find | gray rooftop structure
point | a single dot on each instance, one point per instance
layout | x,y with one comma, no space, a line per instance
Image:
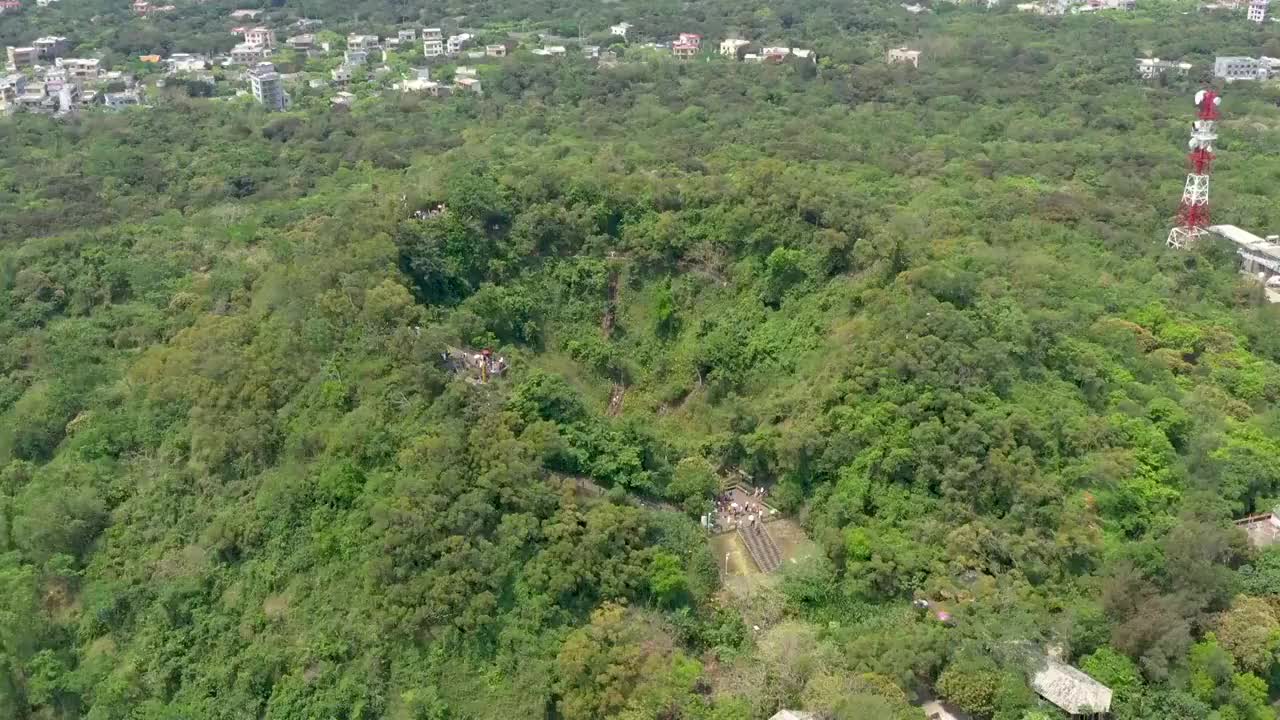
1070,689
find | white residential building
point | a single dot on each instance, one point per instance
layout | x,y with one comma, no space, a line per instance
263,36
80,68
355,57
1151,68
407,35
1232,68
432,42
457,43
185,62
267,87
733,47
341,74
363,43
1258,10
904,55
249,54
495,50
551,51
621,29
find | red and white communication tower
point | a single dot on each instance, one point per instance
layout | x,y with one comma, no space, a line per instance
1193,212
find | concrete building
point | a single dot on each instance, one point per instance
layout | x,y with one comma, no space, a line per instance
495,50
267,87
118,100
775,54
1232,68
1263,530
1074,692
11,86
687,46
263,36
904,55
362,43
186,62
1258,10
469,84
341,74
248,54
621,29
734,47
302,43
1151,68
432,42
50,47
1260,259
591,52
245,14
21,57
457,43
420,82
83,69
551,51
408,35
355,57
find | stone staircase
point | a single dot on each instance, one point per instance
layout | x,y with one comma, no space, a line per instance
761,546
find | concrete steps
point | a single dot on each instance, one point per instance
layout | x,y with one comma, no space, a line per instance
763,550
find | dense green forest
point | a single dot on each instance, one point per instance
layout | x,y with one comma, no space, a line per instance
931,309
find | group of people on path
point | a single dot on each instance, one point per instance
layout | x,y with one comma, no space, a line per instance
749,511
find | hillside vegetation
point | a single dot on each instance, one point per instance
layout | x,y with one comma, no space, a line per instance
930,309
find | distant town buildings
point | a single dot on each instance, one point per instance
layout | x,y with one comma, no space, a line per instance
245,14
904,55
495,50
1151,68
551,51
1258,10
1096,5
621,29
302,43
267,87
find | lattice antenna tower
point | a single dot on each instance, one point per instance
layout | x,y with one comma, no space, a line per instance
1193,211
